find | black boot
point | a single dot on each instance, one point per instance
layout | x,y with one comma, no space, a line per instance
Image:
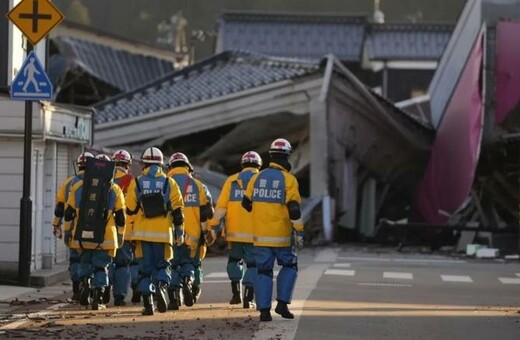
173,295
84,291
75,291
235,289
283,310
106,294
160,295
196,291
265,315
148,305
119,300
97,299
136,296
249,295
186,291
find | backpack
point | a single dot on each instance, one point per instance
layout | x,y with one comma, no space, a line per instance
153,203
93,207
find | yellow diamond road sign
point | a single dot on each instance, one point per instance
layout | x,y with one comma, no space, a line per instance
35,18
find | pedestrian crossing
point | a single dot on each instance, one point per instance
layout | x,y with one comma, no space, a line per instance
345,270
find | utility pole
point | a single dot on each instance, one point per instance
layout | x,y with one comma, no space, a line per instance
25,250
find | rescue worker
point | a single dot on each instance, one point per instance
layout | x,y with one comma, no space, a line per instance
61,199
120,275
273,198
186,255
156,202
203,247
239,230
95,257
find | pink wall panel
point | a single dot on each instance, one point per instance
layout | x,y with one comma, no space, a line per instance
508,68
451,168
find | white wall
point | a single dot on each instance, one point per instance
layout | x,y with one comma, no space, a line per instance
11,163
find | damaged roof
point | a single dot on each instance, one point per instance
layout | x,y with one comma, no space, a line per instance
311,36
409,41
118,68
218,76
302,35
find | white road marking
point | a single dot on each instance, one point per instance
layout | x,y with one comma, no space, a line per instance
216,275
224,275
326,255
216,281
509,281
456,278
350,258
399,276
384,284
384,259
286,329
340,272
341,265
517,274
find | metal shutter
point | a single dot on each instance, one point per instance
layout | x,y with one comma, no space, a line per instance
63,170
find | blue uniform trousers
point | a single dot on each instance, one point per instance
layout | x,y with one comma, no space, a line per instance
286,280
240,252
94,264
152,267
182,265
120,270
74,264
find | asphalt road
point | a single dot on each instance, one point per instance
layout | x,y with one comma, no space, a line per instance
342,293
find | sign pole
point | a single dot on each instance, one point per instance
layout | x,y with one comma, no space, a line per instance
25,249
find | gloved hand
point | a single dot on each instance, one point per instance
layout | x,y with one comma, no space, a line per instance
298,239
210,236
57,231
67,236
120,240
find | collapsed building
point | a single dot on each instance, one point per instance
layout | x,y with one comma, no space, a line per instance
448,156
353,147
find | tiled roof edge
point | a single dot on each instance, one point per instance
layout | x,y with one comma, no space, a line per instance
408,26
328,17
224,56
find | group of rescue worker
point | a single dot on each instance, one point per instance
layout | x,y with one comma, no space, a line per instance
158,225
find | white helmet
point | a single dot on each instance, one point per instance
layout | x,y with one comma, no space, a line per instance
82,158
251,157
103,157
281,145
153,155
122,156
179,157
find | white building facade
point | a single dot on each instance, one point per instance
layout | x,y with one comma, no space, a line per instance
59,134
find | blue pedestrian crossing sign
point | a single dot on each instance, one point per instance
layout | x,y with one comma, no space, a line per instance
31,83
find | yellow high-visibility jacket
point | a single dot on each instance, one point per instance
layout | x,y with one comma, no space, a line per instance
238,223
157,229
194,195
63,195
270,190
115,202
123,179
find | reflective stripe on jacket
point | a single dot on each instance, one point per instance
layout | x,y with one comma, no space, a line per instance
157,229
238,222
270,190
194,197
115,203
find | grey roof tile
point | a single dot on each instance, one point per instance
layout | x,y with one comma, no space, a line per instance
223,74
120,69
407,41
304,36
